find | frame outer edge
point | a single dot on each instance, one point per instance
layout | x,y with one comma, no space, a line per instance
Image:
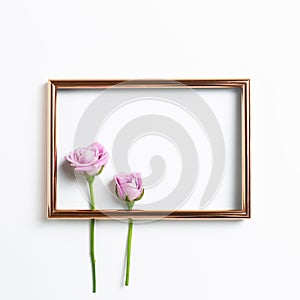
55,84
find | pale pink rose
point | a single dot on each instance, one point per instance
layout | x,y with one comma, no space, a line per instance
129,186
88,160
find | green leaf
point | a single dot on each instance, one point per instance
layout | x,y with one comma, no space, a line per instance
101,169
140,197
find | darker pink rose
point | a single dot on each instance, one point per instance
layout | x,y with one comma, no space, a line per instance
129,186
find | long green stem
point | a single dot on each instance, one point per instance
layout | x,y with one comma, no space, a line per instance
130,225
90,180
93,260
130,205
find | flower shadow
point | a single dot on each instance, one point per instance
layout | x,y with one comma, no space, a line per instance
67,170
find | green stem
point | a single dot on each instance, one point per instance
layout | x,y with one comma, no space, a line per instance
130,225
90,180
92,252
128,251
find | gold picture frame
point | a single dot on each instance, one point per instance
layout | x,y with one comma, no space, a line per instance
57,213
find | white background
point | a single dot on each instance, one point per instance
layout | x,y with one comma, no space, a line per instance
253,259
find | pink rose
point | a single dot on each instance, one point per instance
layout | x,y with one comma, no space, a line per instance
129,186
89,160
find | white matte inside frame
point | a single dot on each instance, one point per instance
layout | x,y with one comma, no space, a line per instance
155,154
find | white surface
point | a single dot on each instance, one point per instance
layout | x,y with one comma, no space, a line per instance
225,105
254,259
